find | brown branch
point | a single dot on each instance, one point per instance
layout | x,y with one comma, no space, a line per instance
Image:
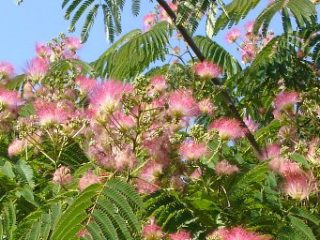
225,96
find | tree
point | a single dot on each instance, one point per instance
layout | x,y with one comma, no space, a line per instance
200,147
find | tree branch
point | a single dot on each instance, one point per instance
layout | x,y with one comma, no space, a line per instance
225,96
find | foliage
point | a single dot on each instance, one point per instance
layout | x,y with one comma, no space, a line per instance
140,143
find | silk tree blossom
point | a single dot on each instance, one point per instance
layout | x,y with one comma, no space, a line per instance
182,104
149,20
271,151
83,233
100,156
206,106
252,126
146,183
233,35
190,150
158,83
124,159
248,26
37,68
85,84
152,232
88,179
158,148
43,51
207,70
10,99
17,147
105,97
248,52
228,128
285,100
180,235
287,133
6,70
163,16
51,112
62,176
122,121
225,168
196,174
284,166
299,185
235,233
73,43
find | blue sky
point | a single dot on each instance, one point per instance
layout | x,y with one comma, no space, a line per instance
40,21
22,26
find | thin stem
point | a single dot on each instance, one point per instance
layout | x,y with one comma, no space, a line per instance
225,96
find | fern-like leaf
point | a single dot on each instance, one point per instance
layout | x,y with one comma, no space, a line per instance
214,52
303,11
234,12
133,53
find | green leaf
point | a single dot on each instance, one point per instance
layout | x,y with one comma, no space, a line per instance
216,53
301,229
234,12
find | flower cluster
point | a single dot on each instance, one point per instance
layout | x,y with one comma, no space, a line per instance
251,43
159,15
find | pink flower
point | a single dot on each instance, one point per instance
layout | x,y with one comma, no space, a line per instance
182,104
249,26
207,69
233,35
284,166
248,52
83,233
6,70
124,159
62,176
158,148
206,106
148,176
16,147
181,235
50,112
225,168
88,179
159,83
152,232
271,151
43,51
196,174
73,43
190,150
100,156
122,121
235,233
85,84
228,128
149,20
285,100
145,187
106,97
299,186
163,14
252,126
151,171
37,68
10,99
